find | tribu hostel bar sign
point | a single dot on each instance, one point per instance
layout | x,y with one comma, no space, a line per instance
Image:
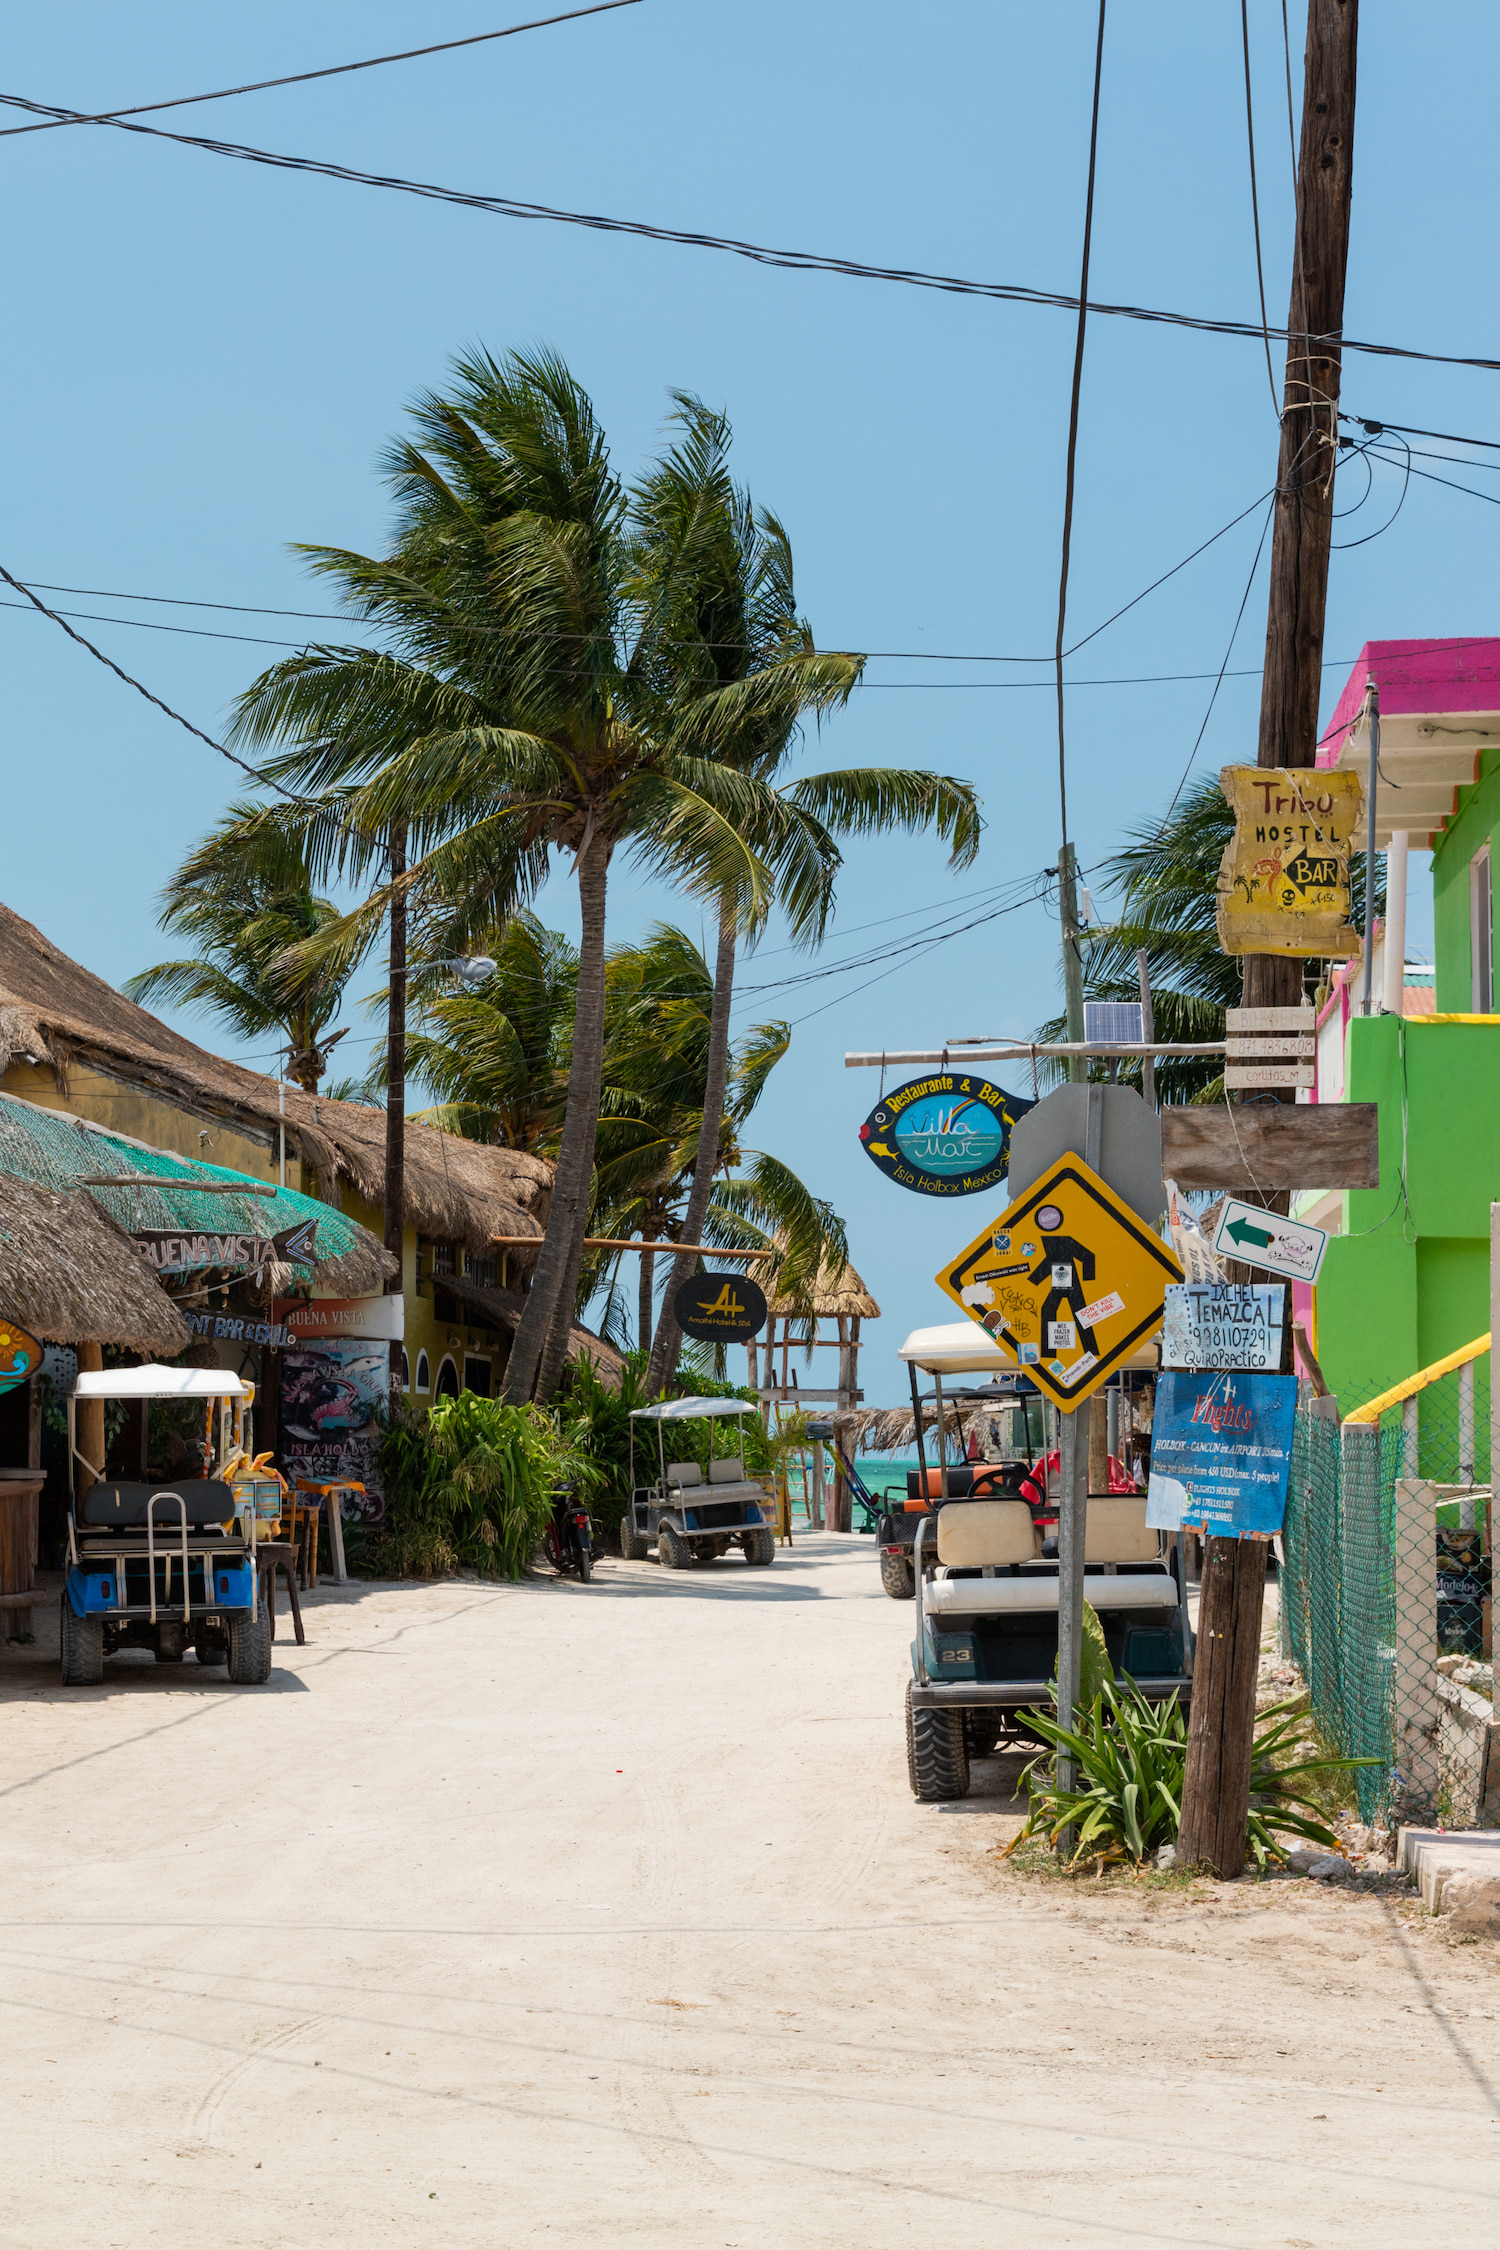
1284,878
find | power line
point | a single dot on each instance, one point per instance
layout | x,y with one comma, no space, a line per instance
840,997
795,261
1260,275
302,77
1219,682
1409,429
1067,528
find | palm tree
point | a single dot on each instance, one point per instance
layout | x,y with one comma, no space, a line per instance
651,1128
245,899
521,708
1167,880
717,572
496,1056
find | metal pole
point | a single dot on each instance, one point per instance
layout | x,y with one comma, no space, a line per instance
1067,896
1372,695
916,1415
942,1442
1148,1031
1072,1529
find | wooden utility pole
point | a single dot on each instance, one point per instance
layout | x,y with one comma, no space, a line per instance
1216,1785
395,1089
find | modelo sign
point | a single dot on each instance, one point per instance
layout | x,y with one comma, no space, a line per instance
946,1135
719,1308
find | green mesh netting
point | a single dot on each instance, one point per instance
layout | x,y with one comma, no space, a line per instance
1385,1595
58,1151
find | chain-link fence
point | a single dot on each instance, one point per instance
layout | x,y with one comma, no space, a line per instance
1385,1596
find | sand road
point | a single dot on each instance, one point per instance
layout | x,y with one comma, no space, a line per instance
507,1916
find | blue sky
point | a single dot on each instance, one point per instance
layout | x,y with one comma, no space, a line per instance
204,359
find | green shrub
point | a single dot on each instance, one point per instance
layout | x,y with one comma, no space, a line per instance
1129,1756
468,1486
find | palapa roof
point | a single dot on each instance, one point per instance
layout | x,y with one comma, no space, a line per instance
68,1274
830,1294
504,1308
54,1010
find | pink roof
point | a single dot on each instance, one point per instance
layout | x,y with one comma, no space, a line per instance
1417,677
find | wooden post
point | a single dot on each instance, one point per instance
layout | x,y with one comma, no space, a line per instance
1216,1784
842,1512
89,1422
395,1091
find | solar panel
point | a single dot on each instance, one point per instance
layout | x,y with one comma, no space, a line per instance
1109,1020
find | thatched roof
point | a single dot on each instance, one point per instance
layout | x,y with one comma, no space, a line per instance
69,1275
53,1010
829,1295
892,1429
503,1308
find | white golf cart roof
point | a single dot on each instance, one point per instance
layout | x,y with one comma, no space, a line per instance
961,1347
160,1382
692,1409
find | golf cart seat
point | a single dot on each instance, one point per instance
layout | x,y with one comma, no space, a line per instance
980,1534
1037,1590
727,1471
122,1507
1117,1531
681,1473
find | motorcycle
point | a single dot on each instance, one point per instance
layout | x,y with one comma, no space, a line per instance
570,1535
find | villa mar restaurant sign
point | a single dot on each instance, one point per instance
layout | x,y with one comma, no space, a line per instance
944,1135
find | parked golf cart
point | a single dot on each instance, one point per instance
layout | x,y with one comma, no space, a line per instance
956,1351
167,1565
987,1608
687,1516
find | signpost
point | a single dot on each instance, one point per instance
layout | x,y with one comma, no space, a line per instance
1254,1036
1284,877
1264,1238
1221,1453
1225,1324
719,1308
1068,1280
944,1135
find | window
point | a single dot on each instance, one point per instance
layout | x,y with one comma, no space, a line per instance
447,1382
477,1377
444,1308
424,1373
442,1258
405,1372
481,1270
1481,935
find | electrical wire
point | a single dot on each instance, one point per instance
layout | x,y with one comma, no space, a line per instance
795,261
302,77
1409,429
1219,682
1014,908
1067,527
1260,275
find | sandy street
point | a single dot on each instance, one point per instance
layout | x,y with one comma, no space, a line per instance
603,1915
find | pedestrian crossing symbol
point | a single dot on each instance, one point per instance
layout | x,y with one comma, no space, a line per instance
1069,1281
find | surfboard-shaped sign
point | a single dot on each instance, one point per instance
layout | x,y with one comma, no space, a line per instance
944,1135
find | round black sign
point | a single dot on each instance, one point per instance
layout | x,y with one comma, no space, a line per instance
719,1308
944,1135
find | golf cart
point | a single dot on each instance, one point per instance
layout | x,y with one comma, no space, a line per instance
957,1350
987,1601
687,1516
167,1566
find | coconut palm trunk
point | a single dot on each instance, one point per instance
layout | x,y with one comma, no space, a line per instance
539,1353
667,1342
395,1098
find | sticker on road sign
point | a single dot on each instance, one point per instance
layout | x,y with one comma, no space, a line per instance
1093,1294
1264,1238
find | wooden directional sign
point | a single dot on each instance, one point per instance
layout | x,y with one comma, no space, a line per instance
1268,1074
1264,1238
1068,1280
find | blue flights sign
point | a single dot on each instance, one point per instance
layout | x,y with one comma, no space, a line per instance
1221,1450
945,1135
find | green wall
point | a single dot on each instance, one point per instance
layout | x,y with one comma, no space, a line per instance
1472,825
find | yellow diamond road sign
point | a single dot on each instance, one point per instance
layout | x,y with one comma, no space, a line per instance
1069,1281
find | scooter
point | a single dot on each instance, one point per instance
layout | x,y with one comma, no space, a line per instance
570,1535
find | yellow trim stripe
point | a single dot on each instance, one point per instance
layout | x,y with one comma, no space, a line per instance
1373,1408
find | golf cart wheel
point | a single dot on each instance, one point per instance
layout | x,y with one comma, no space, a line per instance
897,1576
210,1648
672,1551
759,1545
82,1648
983,1730
937,1758
632,1545
249,1651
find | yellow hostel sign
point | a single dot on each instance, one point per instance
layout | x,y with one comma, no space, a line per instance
1284,880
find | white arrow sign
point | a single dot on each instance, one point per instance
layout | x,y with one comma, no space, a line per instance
1264,1238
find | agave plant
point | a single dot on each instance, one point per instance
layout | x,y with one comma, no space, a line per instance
1129,1756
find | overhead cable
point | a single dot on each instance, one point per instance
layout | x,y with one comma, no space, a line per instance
302,77
795,261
